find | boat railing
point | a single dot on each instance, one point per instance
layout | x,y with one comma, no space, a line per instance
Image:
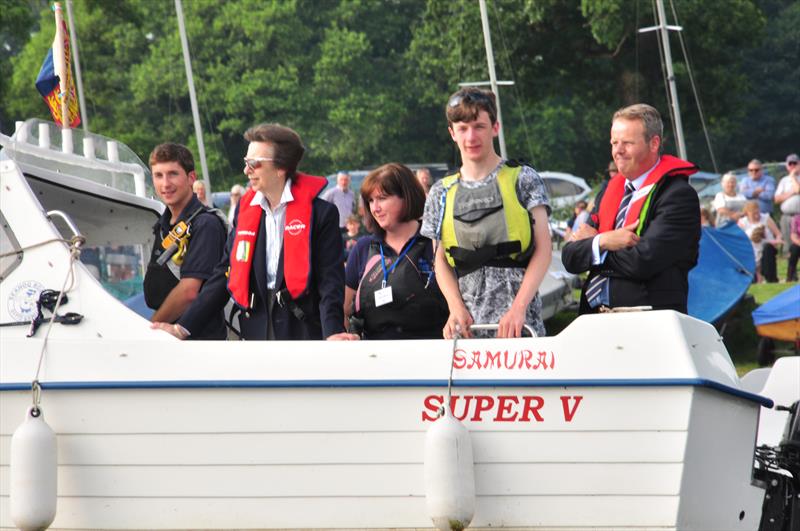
40,144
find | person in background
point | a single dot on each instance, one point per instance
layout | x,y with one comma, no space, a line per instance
489,224
425,179
390,288
195,242
237,190
758,186
580,216
354,232
787,195
648,233
794,249
765,237
343,197
728,203
611,172
199,188
283,261
705,217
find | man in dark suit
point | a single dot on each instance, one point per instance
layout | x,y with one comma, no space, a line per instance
645,236
283,260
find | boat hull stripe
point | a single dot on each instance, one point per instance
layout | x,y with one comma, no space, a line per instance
323,384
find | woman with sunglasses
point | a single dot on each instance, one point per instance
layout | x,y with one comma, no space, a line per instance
283,260
390,290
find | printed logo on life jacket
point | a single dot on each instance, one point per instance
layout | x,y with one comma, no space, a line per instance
243,251
245,233
295,227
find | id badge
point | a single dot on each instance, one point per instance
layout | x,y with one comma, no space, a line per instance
383,296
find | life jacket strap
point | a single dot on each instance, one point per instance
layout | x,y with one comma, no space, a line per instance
498,255
285,300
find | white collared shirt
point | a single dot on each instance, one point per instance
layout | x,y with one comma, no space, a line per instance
274,222
597,256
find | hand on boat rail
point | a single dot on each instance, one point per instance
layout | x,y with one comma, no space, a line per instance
526,327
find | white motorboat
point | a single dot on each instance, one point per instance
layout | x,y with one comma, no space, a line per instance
625,420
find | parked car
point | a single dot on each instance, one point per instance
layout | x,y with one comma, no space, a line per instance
564,189
221,200
437,169
702,179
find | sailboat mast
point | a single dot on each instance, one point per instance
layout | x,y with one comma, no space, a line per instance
676,112
198,129
487,41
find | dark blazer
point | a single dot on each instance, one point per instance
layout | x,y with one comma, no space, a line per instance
322,305
655,271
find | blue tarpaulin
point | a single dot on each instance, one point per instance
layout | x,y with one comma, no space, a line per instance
781,307
723,272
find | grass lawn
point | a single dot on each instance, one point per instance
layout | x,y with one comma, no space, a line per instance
738,332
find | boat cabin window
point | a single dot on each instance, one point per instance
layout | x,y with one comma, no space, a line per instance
119,268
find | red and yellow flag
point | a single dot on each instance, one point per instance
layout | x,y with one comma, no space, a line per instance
54,81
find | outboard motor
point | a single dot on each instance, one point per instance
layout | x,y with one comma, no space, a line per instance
779,472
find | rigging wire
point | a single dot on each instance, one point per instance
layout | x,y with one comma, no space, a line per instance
663,68
206,116
636,56
514,87
694,90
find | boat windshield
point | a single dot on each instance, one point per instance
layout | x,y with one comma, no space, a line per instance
103,187
97,158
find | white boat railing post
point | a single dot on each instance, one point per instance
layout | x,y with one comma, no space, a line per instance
67,145
112,154
20,131
88,148
487,41
44,136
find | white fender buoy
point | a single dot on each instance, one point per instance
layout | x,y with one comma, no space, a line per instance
34,468
449,474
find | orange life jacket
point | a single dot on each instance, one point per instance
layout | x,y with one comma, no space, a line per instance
296,240
668,166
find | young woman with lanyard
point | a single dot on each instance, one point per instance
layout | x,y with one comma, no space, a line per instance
390,288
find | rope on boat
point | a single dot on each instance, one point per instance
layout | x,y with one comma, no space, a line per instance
71,242
74,254
456,337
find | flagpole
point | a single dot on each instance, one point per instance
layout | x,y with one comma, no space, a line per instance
198,129
73,37
62,66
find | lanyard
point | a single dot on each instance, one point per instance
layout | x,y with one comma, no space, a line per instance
394,265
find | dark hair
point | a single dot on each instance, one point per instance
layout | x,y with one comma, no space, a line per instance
467,103
170,152
287,143
393,179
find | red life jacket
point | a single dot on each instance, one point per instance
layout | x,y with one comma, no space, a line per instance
296,240
668,166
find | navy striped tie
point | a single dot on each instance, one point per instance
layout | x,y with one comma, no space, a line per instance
597,292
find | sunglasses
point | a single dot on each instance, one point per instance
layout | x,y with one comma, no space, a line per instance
791,163
255,163
468,97
754,170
